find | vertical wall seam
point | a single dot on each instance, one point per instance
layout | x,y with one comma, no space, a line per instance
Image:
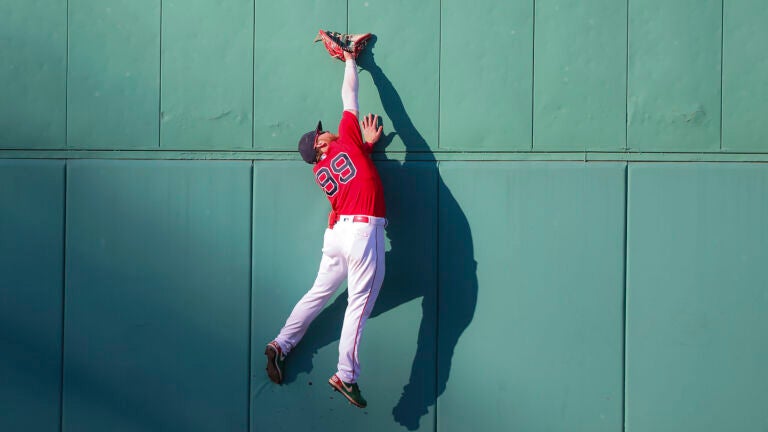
626,87
253,85
533,72
436,359
437,221
626,283
66,78
64,221
437,291
160,82
439,67
722,63
63,299
250,301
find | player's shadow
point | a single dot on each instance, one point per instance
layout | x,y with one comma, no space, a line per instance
442,273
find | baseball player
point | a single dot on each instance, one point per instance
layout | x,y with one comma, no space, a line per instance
353,246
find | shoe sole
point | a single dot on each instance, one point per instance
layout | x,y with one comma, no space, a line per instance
352,401
273,370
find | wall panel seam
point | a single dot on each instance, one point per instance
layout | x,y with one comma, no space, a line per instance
250,298
66,79
437,292
722,55
533,75
253,82
63,295
626,85
684,157
624,313
439,68
160,82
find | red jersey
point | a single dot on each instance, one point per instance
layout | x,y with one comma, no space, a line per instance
347,174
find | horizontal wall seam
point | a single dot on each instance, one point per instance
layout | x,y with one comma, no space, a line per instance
395,156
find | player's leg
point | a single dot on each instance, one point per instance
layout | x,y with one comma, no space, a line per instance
330,275
365,276
332,271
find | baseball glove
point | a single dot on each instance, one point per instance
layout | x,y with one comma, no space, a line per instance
337,43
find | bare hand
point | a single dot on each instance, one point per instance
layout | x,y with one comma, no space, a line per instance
371,130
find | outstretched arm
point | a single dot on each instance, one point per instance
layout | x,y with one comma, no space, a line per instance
350,85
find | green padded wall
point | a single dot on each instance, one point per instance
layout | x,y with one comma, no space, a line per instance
207,74
158,226
745,88
295,84
596,76
696,297
580,75
674,75
398,73
398,350
535,337
33,43
471,116
113,79
31,284
157,295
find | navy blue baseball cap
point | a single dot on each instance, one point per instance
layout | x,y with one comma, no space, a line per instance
307,144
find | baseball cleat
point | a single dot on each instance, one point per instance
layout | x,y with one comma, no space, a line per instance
275,362
350,391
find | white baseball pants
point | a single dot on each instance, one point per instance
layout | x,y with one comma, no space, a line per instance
351,250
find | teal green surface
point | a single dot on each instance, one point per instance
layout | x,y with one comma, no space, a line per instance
674,76
33,46
504,294
401,78
696,297
157,295
401,337
398,347
113,80
289,217
538,344
31,285
486,86
580,75
745,88
207,75
295,82
245,75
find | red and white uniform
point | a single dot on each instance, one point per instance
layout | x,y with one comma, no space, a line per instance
347,175
353,246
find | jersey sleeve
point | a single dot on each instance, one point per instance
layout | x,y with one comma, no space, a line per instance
349,129
367,147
